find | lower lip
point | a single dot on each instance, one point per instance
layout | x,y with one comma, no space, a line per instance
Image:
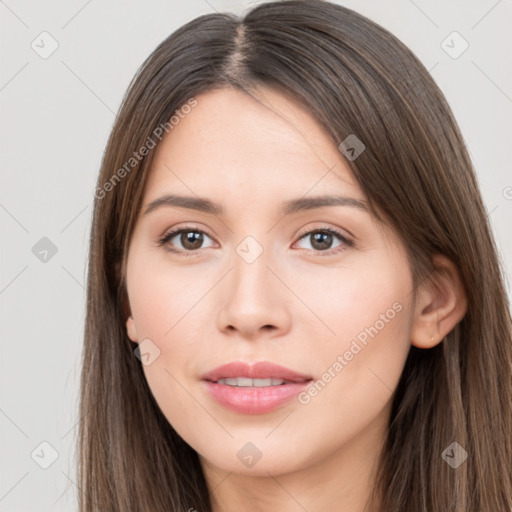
251,400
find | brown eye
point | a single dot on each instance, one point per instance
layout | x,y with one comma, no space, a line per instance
189,239
321,240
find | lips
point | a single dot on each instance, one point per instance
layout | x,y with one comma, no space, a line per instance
257,388
262,370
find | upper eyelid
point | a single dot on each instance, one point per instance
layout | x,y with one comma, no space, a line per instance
176,231
337,231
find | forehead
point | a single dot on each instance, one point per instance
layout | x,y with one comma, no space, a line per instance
266,146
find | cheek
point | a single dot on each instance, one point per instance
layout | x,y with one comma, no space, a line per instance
166,304
163,299
345,301
163,309
367,314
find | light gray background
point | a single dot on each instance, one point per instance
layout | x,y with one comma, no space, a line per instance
56,117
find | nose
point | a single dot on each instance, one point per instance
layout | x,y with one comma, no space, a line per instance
253,300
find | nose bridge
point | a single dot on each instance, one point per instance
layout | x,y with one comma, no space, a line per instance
250,272
252,298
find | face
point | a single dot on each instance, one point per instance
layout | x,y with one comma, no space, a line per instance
318,289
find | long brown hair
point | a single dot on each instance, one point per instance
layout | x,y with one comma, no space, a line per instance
355,78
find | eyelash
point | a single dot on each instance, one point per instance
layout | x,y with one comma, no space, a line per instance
168,236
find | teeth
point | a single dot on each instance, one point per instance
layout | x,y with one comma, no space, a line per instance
244,382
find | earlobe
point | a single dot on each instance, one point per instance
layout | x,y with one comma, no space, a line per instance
131,329
441,304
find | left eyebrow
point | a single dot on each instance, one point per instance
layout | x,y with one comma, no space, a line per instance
309,203
205,205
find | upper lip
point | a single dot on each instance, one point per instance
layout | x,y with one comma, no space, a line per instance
258,370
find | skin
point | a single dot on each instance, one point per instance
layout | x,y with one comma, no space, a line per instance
293,305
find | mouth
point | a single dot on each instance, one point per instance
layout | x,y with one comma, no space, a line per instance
245,382
254,388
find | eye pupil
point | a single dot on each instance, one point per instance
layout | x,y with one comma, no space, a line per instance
324,238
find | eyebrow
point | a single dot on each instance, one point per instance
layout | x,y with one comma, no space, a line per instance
205,205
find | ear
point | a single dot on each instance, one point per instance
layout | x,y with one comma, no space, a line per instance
131,329
125,306
441,304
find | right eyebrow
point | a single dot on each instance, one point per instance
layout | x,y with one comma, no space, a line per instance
192,203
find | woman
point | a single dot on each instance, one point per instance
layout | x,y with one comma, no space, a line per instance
294,297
